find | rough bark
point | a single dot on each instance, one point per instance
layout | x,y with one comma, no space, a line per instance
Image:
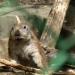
54,23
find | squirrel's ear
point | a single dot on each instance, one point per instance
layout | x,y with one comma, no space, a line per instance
12,28
18,20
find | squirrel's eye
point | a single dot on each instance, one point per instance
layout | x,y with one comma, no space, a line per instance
24,27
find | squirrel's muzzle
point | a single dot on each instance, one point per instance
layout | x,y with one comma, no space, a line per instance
17,33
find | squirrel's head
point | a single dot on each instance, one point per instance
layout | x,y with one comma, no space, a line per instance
21,31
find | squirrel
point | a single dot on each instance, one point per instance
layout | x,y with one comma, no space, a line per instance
24,47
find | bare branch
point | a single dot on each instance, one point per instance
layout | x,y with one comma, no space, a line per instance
19,66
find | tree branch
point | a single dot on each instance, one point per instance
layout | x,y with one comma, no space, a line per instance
19,66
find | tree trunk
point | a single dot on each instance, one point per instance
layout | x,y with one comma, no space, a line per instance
54,23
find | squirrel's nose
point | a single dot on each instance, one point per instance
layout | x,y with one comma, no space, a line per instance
17,33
